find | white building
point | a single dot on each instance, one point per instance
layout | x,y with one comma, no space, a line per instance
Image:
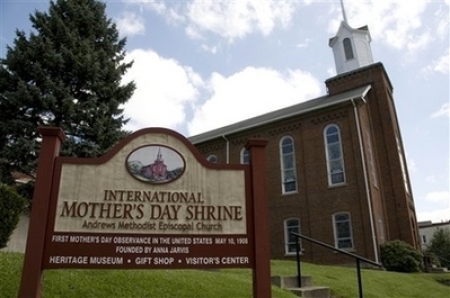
427,229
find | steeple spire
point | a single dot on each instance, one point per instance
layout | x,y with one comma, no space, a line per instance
351,47
343,12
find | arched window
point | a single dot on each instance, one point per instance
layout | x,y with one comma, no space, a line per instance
245,156
335,158
343,235
291,225
348,49
212,158
288,171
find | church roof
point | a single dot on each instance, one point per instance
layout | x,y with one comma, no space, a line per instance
345,26
285,113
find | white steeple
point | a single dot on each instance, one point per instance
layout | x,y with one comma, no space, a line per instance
351,47
343,12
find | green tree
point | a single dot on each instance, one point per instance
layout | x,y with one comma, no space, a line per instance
66,73
11,206
439,247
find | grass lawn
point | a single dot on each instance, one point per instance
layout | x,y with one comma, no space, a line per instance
376,283
224,283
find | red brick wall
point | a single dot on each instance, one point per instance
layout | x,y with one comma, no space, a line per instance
373,174
398,204
316,202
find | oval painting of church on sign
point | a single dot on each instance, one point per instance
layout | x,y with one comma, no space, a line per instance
155,164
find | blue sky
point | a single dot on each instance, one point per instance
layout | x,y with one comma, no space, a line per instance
200,64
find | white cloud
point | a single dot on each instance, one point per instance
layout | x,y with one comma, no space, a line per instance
158,6
129,23
443,21
440,65
438,215
304,44
420,42
397,23
441,197
437,205
331,71
251,92
443,111
174,12
236,19
167,90
228,19
164,88
210,49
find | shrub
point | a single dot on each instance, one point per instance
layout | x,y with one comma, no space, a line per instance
11,206
399,256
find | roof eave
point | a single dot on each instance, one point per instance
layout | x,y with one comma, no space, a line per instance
210,135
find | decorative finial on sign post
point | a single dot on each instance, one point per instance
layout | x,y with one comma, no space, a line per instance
343,12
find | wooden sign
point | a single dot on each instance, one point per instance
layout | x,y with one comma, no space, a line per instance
152,202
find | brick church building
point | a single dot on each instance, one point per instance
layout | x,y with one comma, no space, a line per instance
336,168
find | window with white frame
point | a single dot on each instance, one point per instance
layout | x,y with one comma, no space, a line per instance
291,225
212,158
348,49
335,158
245,156
343,236
288,171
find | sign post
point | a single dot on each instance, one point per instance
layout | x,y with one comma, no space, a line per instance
30,285
261,271
152,202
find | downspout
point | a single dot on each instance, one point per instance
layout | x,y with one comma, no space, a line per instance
366,181
227,148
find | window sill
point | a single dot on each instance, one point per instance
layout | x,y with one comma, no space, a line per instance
289,193
338,185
